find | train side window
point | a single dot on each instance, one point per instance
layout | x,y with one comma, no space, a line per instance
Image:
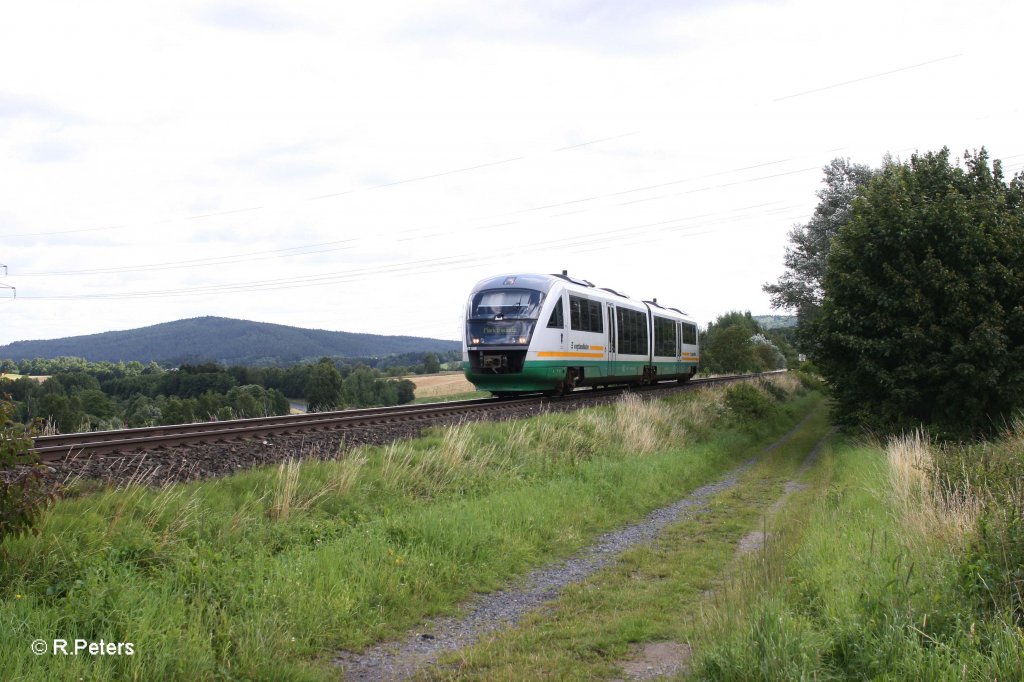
689,333
664,336
596,316
557,320
585,315
642,324
632,331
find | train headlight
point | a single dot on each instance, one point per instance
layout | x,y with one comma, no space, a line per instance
522,339
476,341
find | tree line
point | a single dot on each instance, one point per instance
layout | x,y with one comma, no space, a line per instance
736,343
79,395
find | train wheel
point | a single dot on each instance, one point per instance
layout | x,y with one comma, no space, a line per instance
567,385
571,377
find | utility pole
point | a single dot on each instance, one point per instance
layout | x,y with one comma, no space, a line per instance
14,292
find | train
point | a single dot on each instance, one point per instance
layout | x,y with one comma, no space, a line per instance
530,333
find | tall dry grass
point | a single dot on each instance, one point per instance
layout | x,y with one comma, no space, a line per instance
706,407
284,500
457,457
645,425
929,504
789,382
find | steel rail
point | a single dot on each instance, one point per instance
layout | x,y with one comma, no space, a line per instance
51,448
88,444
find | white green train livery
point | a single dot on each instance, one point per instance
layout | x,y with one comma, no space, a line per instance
551,333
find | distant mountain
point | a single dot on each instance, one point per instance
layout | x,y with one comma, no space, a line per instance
768,321
224,340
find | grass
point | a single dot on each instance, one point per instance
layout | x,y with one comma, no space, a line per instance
897,560
866,580
265,574
653,593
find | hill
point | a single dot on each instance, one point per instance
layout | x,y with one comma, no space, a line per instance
775,321
223,340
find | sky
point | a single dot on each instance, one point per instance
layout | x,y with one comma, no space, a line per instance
359,166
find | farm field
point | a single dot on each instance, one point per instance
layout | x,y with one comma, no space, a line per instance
441,385
40,378
271,573
445,386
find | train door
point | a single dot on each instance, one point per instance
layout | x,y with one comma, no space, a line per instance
679,348
610,350
563,336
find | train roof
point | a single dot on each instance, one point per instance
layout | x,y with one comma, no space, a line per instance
544,283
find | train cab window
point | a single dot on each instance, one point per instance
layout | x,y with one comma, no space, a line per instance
585,316
557,319
506,304
664,337
689,333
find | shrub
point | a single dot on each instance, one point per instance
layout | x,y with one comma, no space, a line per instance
809,377
773,389
23,490
746,401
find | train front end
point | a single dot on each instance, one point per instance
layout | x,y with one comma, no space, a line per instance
502,321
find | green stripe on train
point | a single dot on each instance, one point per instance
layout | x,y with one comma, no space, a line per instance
540,375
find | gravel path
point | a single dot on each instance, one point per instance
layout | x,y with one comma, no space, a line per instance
503,609
754,540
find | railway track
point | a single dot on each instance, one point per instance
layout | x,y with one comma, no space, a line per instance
99,443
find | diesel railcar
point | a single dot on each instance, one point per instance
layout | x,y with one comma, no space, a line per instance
551,333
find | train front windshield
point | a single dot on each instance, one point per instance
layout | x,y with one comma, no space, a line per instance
503,316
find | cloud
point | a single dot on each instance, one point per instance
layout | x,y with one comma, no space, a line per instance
289,163
249,17
13,107
602,25
49,151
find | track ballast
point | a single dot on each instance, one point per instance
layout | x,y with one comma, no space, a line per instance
200,450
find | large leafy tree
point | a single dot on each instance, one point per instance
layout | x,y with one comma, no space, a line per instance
323,390
801,286
736,342
922,318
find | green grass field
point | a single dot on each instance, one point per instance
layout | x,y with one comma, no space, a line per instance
266,574
867,571
655,593
875,573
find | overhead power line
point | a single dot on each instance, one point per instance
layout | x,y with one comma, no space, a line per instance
303,250
453,171
312,249
459,261
321,196
867,78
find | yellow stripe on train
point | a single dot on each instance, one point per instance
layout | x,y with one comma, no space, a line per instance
552,354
